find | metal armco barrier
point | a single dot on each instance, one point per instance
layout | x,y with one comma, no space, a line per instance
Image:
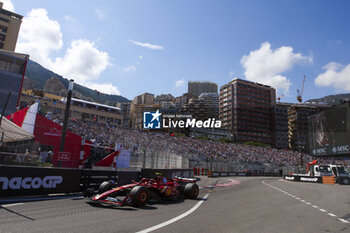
19,180
168,173
310,179
225,174
22,180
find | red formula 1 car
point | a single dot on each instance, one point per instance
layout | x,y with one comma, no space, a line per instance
139,193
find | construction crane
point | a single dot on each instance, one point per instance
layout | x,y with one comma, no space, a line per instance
279,98
300,93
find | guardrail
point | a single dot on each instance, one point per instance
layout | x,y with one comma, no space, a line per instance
225,174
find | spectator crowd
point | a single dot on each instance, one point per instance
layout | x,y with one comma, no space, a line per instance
104,134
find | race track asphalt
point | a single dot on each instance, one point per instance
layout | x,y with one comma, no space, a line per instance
257,204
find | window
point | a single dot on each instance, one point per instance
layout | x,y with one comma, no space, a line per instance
3,29
2,37
3,19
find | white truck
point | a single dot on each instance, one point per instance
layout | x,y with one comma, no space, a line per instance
320,170
340,171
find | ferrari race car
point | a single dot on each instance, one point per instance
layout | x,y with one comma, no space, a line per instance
140,193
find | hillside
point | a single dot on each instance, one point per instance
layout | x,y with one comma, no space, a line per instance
40,75
331,99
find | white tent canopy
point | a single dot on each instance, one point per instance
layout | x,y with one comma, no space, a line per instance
13,132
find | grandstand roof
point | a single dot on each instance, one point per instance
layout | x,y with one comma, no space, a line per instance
93,103
13,132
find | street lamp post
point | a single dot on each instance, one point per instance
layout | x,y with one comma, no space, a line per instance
66,114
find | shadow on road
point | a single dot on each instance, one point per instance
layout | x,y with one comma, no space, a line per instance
18,214
126,208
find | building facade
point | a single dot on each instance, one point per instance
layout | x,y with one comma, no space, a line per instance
281,125
164,98
197,88
9,27
136,113
207,106
79,110
246,109
145,98
298,115
184,99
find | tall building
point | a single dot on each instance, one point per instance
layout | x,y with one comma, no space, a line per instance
164,98
298,115
207,106
9,27
281,125
184,99
246,108
145,98
197,88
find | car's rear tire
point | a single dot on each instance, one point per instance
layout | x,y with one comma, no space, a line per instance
139,196
191,191
105,186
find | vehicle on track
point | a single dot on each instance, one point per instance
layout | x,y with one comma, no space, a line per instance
147,189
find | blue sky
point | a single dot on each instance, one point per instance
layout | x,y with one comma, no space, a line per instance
131,47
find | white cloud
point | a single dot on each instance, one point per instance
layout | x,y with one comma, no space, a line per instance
336,76
140,57
8,5
107,88
101,13
266,65
82,61
129,68
39,36
147,45
180,83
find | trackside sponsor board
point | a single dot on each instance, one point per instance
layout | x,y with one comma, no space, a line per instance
311,179
290,178
16,180
47,182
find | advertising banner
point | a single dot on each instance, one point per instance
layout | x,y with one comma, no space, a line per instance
17,180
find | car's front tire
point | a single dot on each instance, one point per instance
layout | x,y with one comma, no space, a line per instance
105,186
139,196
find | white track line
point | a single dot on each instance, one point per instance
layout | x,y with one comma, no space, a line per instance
156,227
307,203
343,220
14,204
